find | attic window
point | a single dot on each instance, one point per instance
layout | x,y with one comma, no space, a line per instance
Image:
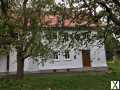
65,37
54,35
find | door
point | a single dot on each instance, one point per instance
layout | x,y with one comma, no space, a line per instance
86,58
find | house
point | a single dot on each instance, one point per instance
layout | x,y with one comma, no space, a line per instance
90,57
83,58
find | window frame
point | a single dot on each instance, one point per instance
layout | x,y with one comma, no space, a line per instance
67,55
65,37
56,54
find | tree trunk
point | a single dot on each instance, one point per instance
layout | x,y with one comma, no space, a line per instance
20,67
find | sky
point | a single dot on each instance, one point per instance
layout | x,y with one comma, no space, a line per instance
59,1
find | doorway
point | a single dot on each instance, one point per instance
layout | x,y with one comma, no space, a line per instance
86,58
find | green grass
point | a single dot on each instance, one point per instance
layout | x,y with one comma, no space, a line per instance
73,81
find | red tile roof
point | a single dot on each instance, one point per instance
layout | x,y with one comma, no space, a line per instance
53,21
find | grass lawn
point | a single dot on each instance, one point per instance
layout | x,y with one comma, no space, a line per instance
73,81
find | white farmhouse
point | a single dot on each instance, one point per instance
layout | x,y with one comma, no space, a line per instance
82,58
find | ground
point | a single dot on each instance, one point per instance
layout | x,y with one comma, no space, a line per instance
65,81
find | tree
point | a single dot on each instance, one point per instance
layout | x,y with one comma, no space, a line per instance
22,32
23,19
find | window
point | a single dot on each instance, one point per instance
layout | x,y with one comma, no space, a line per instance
75,57
67,54
55,55
54,36
65,37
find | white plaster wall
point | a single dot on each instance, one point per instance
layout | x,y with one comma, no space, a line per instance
31,65
98,56
3,61
13,60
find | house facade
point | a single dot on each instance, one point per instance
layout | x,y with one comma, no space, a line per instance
81,58
92,58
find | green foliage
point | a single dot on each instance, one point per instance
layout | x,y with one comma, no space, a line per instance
3,51
111,43
5,37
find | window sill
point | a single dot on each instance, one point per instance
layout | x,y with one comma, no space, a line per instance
56,60
67,60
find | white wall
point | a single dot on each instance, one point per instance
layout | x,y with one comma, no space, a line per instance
3,63
31,65
98,56
13,60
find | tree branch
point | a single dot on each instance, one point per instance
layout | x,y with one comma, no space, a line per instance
112,16
4,6
24,14
116,2
25,2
